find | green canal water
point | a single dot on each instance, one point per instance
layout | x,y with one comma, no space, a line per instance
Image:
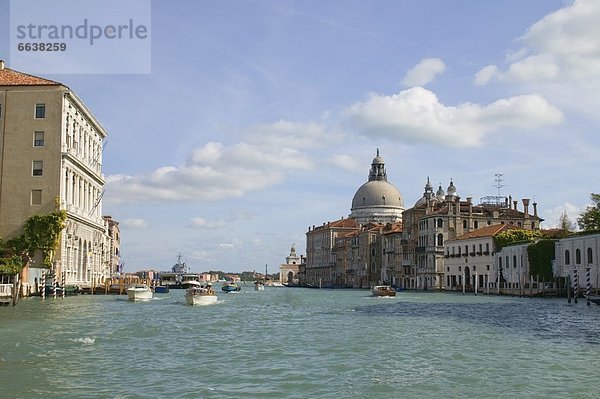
300,343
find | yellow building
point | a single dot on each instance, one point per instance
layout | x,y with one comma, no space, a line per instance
51,159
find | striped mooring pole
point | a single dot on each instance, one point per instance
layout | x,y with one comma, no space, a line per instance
54,283
43,284
588,285
64,286
575,285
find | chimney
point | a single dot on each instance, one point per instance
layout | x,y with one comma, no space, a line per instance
1,65
515,205
535,209
526,207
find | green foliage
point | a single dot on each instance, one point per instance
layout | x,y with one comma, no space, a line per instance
541,255
565,224
39,232
590,218
11,265
515,236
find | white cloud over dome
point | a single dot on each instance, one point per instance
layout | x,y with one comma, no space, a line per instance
424,72
416,115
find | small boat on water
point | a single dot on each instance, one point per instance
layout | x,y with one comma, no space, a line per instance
200,296
383,290
595,299
230,287
259,286
185,284
139,292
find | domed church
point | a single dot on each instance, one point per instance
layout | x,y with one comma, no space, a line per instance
377,200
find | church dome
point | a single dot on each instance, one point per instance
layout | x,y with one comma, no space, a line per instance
440,194
377,193
377,200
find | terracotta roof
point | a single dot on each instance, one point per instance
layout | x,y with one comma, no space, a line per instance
488,231
393,228
340,223
10,77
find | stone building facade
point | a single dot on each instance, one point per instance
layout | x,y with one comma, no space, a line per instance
51,159
441,216
574,255
288,271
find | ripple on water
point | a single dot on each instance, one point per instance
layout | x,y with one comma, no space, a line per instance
300,343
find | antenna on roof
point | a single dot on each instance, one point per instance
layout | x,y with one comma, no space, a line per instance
499,181
496,200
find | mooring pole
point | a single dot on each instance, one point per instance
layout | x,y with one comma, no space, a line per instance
588,285
575,285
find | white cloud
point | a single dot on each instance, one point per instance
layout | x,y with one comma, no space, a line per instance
134,224
346,162
212,172
201,223
226,245
416,115
562,46
297,135
424,72
485,75
552,216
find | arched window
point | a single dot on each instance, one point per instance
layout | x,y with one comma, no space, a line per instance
578,256
514,260
464,224
567,257
475,225
440,239
590,258
500,262
440,223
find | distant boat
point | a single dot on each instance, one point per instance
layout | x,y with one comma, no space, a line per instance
259,286
139,292
200,296
161,289
595,299
230,286
383,290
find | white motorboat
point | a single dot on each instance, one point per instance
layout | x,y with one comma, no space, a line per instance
200,296
185,284
259,286
383,290
139,292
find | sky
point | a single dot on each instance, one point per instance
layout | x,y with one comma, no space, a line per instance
259,119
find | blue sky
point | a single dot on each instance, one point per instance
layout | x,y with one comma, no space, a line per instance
261,118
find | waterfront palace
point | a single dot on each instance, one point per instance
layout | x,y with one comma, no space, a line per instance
51,160
442,242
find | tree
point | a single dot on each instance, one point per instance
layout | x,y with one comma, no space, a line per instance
565,224
515,236
590,218
40,232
